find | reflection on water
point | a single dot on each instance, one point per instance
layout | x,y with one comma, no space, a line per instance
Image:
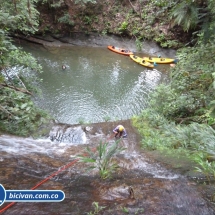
96,84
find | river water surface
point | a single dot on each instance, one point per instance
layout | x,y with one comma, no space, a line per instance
96,85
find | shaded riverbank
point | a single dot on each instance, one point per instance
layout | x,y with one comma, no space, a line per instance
140,186
97,40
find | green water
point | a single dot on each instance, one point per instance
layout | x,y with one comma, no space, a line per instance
96,85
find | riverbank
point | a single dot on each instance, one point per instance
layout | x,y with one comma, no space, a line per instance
96,40
132,19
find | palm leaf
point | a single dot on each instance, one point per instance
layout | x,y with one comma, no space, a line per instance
186,14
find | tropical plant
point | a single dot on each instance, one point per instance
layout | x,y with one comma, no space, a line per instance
189,96
66,19
18,114
139,44
97,208
123,26
107,118
125,210
103,158
17,70
85,1
195,15
139,211
181,114
205,167
20,16
186,14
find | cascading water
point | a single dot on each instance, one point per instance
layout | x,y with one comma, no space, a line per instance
141,186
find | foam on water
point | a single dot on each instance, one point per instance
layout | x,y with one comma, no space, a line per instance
20,146
134,160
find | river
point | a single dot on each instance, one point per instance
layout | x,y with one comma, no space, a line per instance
97,84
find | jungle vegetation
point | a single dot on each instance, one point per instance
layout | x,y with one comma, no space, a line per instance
18,82
102,158
181,114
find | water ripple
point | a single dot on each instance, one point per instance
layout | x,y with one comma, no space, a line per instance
96,84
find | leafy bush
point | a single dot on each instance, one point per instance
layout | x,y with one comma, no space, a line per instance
123,26
66,19
97,208
18,114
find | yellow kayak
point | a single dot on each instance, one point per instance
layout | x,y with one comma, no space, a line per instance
141,61
159,60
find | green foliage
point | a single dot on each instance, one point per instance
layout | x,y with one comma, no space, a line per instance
186,14
85,1
208,21
139,211
195,15
171,44
21,15
204,166
107,118
158,132
125,210
66,19
103,158
123,26
181,114
97,208
163,42
139,44
82,121
104,32
195,140
87,20
5,48
18,57
18,115
52,3
19,69
189,97
149,124
161,3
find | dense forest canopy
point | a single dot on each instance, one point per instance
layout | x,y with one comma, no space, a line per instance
181,114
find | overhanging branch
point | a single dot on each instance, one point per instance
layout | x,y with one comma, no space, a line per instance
17,89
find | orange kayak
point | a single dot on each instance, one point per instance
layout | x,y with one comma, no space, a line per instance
120,50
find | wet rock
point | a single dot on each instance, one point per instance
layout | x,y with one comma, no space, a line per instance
141,186
117,193
67,134
88,128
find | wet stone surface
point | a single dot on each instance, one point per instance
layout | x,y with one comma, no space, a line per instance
140,186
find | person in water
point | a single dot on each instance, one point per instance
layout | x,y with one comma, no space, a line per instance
120,131
63,67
